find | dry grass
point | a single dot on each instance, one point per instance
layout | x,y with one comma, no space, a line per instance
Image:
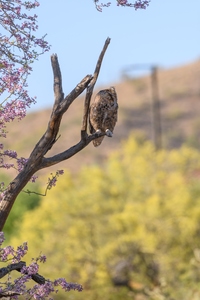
179,90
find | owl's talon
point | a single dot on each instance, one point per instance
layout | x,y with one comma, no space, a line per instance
98,131
109,133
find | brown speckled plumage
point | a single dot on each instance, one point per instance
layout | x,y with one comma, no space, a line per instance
103,113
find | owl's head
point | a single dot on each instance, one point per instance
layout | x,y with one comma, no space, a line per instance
112,89
113,95
108,96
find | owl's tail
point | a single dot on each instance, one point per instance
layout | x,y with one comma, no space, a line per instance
98,141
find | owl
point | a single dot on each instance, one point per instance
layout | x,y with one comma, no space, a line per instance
103,114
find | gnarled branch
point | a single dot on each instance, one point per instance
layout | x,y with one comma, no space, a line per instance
37,159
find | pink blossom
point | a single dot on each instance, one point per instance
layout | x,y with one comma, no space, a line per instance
52,181
31,269
42,258
20,252
140,4
2,238
6,252
19,49
19,285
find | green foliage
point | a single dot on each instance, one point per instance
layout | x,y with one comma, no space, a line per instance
131,227
25,202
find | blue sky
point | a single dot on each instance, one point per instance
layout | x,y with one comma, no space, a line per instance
165,34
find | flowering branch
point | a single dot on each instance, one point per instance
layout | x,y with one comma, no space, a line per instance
19,49
43,288
51,183
139,4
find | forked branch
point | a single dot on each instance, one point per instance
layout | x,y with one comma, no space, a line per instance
37,159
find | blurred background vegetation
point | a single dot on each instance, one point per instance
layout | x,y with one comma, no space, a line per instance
124,219
129,229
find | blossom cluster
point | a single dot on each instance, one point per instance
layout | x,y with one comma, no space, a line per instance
10,155
140,4
19,49
18,286
8,253
53,179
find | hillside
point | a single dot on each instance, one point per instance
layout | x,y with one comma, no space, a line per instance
179,93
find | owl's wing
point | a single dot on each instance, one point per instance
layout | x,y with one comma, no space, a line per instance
93,120
91,128
96,114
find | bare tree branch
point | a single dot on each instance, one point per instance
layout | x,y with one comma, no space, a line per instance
37,160
47,162
60,107
90,89
42,147
4,271
58,92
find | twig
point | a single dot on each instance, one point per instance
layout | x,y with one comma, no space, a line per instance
8,294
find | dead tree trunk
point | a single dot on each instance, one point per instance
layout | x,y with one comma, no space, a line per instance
37,159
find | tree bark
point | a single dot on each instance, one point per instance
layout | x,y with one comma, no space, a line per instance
18,267
37,160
